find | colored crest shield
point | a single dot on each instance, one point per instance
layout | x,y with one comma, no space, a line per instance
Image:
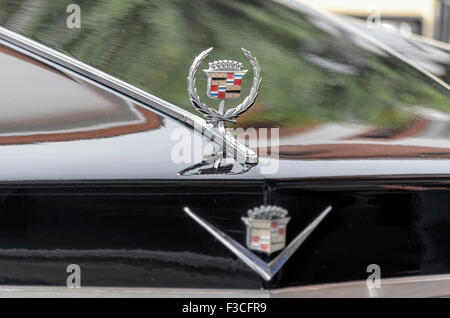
266,229
224,79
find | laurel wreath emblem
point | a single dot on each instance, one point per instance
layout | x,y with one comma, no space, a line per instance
231,113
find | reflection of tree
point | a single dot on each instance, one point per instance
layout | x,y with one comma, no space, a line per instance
152,43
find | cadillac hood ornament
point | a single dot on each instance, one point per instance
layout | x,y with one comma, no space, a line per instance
266,228
224,83
266,233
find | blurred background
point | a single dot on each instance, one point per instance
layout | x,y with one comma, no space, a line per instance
428,18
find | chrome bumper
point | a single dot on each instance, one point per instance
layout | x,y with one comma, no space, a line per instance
415,286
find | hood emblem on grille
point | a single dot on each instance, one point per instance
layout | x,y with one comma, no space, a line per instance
275,241
266,228
224,82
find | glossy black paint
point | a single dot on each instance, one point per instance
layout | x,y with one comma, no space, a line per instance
111,200
404,231
128,234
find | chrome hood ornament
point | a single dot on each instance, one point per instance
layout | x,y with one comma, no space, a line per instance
265,270
224,82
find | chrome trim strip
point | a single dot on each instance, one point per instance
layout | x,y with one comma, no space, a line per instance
63,62
410,286
123,292
265,270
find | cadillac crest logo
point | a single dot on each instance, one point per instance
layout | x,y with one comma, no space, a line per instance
224,79
224,83
266,228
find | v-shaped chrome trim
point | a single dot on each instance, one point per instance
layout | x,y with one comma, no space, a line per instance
265,270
